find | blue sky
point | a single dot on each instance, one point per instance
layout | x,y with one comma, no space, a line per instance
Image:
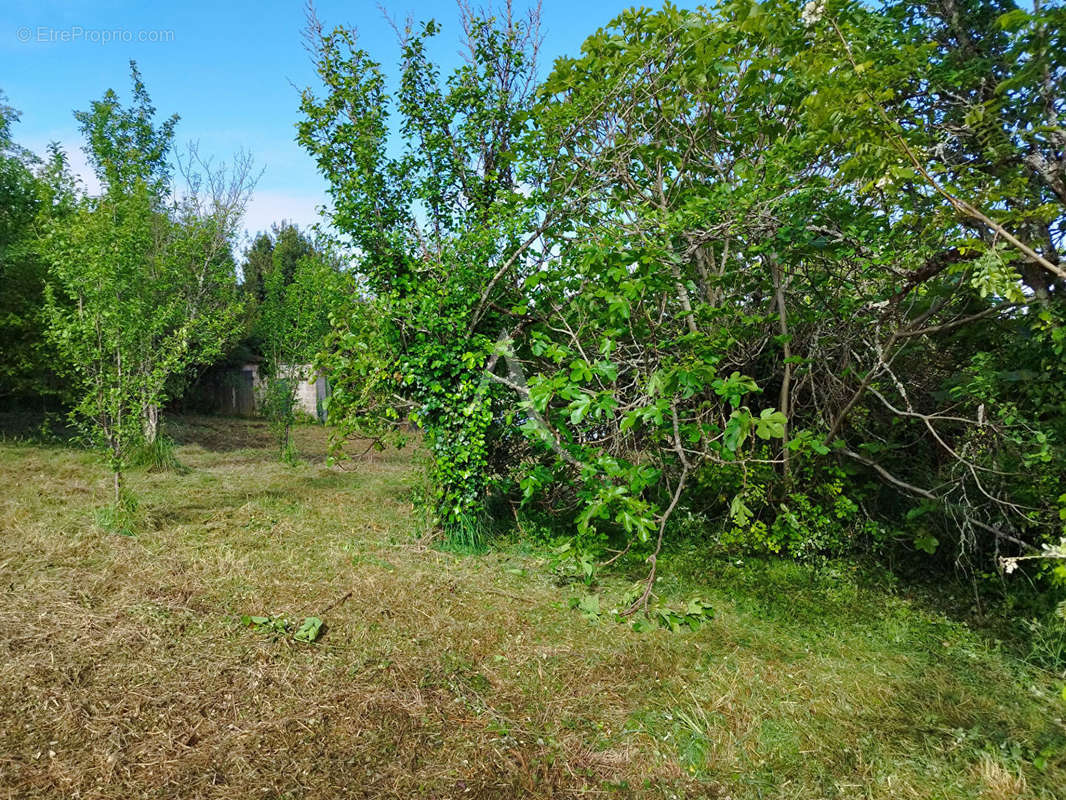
230,69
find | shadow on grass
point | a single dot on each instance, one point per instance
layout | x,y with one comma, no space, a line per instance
35,427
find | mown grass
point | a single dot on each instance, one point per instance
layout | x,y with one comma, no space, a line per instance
125,672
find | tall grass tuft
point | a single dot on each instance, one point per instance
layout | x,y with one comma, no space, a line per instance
157,456
465,534
122,518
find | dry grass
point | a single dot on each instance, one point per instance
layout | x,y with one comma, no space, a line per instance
124,672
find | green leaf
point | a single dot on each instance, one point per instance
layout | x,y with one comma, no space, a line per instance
734,388
309,630
736,430
589,605
770,424
579,408
579,371
927,543
739,512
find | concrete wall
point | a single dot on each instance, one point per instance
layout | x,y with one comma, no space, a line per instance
311,391
241,390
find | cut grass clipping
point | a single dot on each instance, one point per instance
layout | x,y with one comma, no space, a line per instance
125,671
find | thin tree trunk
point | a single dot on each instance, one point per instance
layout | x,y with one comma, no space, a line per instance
151,423
686,301
784,399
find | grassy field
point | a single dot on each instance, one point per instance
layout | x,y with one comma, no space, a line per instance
125,670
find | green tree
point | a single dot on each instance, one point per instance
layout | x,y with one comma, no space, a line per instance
124,145
141,281
780,191
432,226
951,117
256,265
776,264
301,295
31,191
279,248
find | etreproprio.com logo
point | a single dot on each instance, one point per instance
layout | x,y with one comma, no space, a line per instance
45,34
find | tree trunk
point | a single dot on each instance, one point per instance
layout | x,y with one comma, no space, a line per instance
151,423
784,400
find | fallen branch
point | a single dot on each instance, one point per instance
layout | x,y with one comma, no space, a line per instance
337,602
919,491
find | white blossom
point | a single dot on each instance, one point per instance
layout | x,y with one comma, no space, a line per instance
812,12
1008,565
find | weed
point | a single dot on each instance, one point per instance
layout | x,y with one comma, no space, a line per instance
289,454
122,518
157,456
274,627
465,534
309,630
278,627
1047,643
